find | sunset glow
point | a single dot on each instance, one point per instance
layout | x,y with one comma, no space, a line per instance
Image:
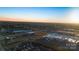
73,15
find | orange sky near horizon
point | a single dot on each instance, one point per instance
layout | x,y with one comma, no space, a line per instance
45,20
23,20
33,20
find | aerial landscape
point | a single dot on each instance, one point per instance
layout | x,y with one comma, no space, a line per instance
39,29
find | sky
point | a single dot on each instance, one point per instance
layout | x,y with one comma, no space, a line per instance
40,14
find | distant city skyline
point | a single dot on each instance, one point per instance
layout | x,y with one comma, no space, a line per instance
40,14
